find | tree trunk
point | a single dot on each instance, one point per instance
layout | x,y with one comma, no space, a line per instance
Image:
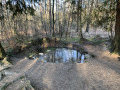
80,33
78,15
53,19
89,16
58,20
117,29
88,25
50,16
2,52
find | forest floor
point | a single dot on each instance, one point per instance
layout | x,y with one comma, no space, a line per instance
99,73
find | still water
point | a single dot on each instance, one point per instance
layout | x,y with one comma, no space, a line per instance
61,55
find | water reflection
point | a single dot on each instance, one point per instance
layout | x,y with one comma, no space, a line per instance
62,55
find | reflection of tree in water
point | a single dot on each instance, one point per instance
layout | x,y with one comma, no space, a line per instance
62,55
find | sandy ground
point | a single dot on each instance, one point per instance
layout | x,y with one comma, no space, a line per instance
99,73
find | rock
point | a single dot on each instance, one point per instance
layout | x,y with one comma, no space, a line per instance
41,54
32,56
48,50
87,56
6,72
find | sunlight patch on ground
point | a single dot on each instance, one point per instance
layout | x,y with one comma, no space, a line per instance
110,55
29,65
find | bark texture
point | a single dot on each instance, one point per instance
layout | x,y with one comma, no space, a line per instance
117,29
2,52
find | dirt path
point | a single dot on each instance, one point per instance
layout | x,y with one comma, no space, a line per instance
100,73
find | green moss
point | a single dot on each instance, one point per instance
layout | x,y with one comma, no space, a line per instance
74,39
31,54
5,61
96,41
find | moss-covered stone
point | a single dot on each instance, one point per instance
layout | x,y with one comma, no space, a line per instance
6,62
